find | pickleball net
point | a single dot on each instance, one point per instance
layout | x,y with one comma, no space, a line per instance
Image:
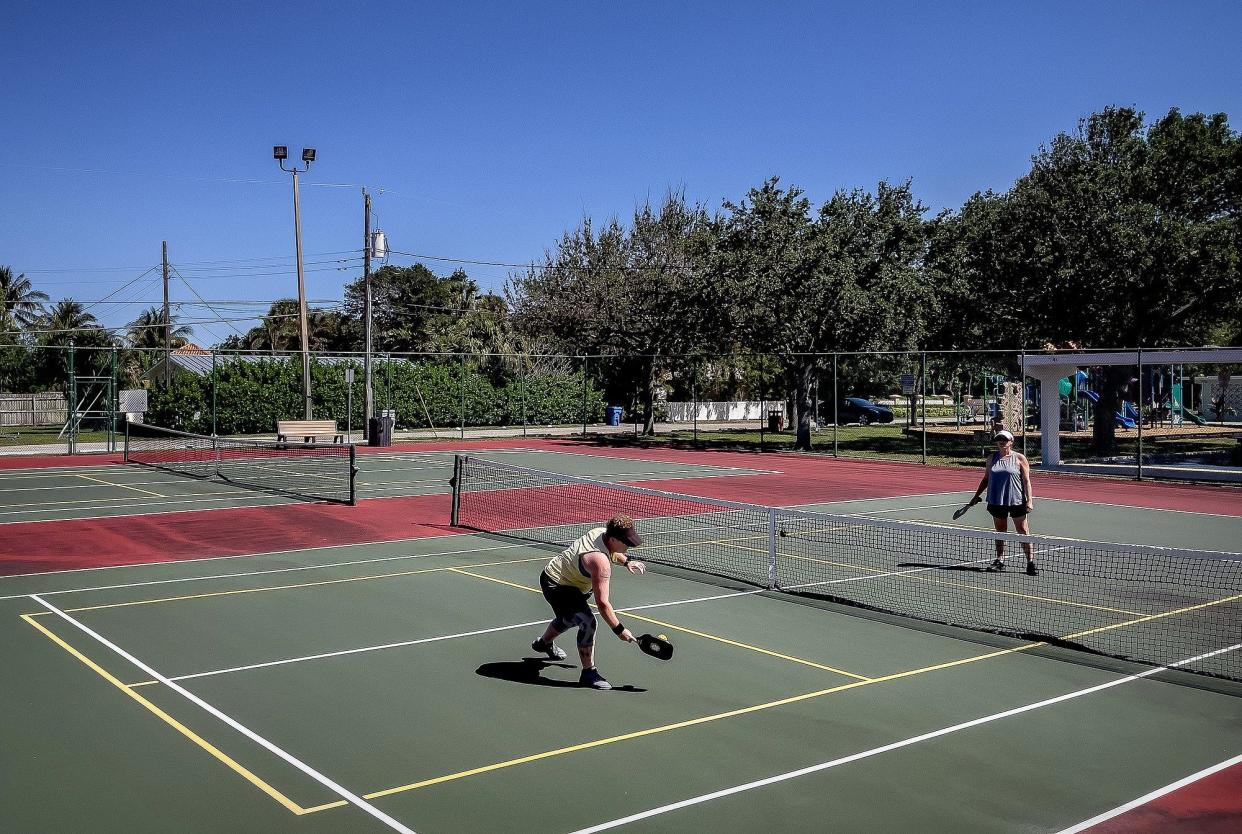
1140,603
306,471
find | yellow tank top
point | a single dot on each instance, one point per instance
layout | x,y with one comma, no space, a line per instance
566,567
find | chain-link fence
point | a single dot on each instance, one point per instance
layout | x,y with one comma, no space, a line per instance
1109,411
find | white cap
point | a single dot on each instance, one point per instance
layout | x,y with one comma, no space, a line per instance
1002,434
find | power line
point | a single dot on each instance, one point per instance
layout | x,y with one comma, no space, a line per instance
69,269
209,307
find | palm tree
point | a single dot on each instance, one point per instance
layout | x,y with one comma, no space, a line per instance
147,331
67,315
21,304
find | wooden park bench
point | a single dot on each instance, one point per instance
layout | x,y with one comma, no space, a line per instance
308,430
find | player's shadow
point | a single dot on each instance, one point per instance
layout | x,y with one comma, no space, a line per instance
529,670
971,568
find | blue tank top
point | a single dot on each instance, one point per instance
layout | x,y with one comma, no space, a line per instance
1005,481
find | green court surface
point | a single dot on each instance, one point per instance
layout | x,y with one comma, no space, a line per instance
391,686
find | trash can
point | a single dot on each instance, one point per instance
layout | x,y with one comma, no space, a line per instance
776,421
613,415
379,431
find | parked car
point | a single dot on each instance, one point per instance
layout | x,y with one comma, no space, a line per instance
860,411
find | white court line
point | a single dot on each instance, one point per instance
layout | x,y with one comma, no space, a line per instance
906,509
480,453
891,497
1156,794
259,498
897,745
253,555
403,643
348,796
487,549
361,650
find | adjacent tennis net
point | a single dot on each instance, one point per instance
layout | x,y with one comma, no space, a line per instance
317,472
1141,603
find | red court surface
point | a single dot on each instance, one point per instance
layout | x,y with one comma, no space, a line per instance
1212,805
792,479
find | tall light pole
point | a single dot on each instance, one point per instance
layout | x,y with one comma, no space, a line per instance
280,153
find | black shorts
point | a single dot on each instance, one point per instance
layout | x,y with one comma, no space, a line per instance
1003,511
566,601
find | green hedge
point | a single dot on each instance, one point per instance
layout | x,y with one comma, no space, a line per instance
251,396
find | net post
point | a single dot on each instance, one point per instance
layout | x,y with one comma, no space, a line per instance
125,454
771,548
353,475
458,465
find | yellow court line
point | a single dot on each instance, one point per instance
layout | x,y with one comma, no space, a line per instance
1150,617
281,587
561,751
235,766
685,630
119,486
938,581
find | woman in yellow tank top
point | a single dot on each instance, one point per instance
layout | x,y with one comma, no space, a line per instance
570,578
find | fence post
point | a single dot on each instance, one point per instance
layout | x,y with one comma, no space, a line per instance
1139,412
73,400
113,402
213,393
463,396
1022,374
834,405
763,407
924,407
585,362
522,390
694,395
634,408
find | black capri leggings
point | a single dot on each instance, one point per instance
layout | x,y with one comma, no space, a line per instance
571,609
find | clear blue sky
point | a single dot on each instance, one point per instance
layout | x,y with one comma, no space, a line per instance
487,129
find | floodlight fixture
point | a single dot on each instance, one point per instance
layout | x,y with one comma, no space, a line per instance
308,155
280,152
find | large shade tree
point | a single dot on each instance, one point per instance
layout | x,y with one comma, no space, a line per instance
411,306
634,296
845,278
1121,235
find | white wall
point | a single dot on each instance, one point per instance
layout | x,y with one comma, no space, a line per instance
721,411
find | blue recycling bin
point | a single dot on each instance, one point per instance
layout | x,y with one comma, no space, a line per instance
613,415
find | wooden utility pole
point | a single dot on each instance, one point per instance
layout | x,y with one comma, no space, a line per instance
366,314
167,325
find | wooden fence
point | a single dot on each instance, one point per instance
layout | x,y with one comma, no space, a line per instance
46,409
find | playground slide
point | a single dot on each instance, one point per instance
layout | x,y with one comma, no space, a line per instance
1197,419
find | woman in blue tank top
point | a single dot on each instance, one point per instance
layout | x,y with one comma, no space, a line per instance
1007,480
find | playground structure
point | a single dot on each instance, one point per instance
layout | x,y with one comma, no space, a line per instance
1160,389
1002,400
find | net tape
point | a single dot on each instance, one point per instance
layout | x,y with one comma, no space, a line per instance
1137,602
321,472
